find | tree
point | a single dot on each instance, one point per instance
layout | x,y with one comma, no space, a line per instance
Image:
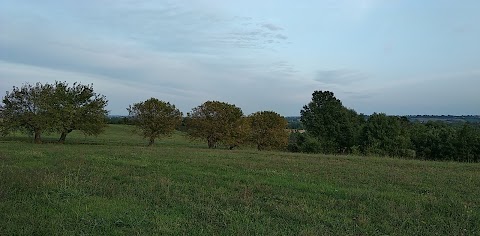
434,140
467,144
237,134
268,130
385,135
217,122
304,142
155,118
77,108
25,108
335,126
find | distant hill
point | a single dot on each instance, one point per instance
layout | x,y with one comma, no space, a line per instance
295,120
444,118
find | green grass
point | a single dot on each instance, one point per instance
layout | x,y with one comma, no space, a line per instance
114,184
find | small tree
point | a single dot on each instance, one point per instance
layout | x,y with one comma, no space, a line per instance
216,122
155,118
25,108
77,108
268,130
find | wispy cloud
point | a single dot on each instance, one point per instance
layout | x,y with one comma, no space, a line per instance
281,36
246,32
191,51
283,67
271,27
339,77
134,51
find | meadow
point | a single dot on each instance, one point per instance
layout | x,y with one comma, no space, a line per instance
114,185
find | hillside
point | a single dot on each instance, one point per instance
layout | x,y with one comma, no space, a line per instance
113,184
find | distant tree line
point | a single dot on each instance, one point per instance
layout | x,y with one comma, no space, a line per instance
294,123
119,120
334,129
446,118
331,128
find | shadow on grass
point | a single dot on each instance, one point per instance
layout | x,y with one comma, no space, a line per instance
93,141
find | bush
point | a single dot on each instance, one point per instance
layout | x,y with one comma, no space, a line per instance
303,142
408,153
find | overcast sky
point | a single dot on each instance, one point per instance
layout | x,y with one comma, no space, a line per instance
397,57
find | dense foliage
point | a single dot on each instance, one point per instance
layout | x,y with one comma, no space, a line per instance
335,126
25,109
268,130
155,118
77,108
57,107
217,122
332,128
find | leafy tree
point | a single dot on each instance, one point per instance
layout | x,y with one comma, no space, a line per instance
77,108
335,126
385,135
237,134
434,140
217,122
268,130
467,144
304,142
155,118
25,108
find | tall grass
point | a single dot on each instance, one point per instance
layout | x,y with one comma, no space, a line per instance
114,184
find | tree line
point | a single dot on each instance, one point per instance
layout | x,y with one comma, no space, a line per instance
331,128
334,129
61,108
216,123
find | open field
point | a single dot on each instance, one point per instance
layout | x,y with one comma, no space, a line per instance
113,184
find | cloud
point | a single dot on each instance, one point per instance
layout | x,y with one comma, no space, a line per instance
281,36
454,93
130,56
339,77
283,67
271,27
245,34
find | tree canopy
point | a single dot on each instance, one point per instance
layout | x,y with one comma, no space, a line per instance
326,119
155,118
53,107
385,135
77,108
268,130
25,108
217,122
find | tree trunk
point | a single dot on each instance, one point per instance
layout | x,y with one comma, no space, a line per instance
152,140
63,136
211,143
38,135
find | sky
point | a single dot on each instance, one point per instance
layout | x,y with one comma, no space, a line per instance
397,57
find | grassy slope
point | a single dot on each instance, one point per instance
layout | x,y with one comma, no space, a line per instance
112,184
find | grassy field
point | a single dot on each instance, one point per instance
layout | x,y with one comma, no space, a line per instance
113,184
